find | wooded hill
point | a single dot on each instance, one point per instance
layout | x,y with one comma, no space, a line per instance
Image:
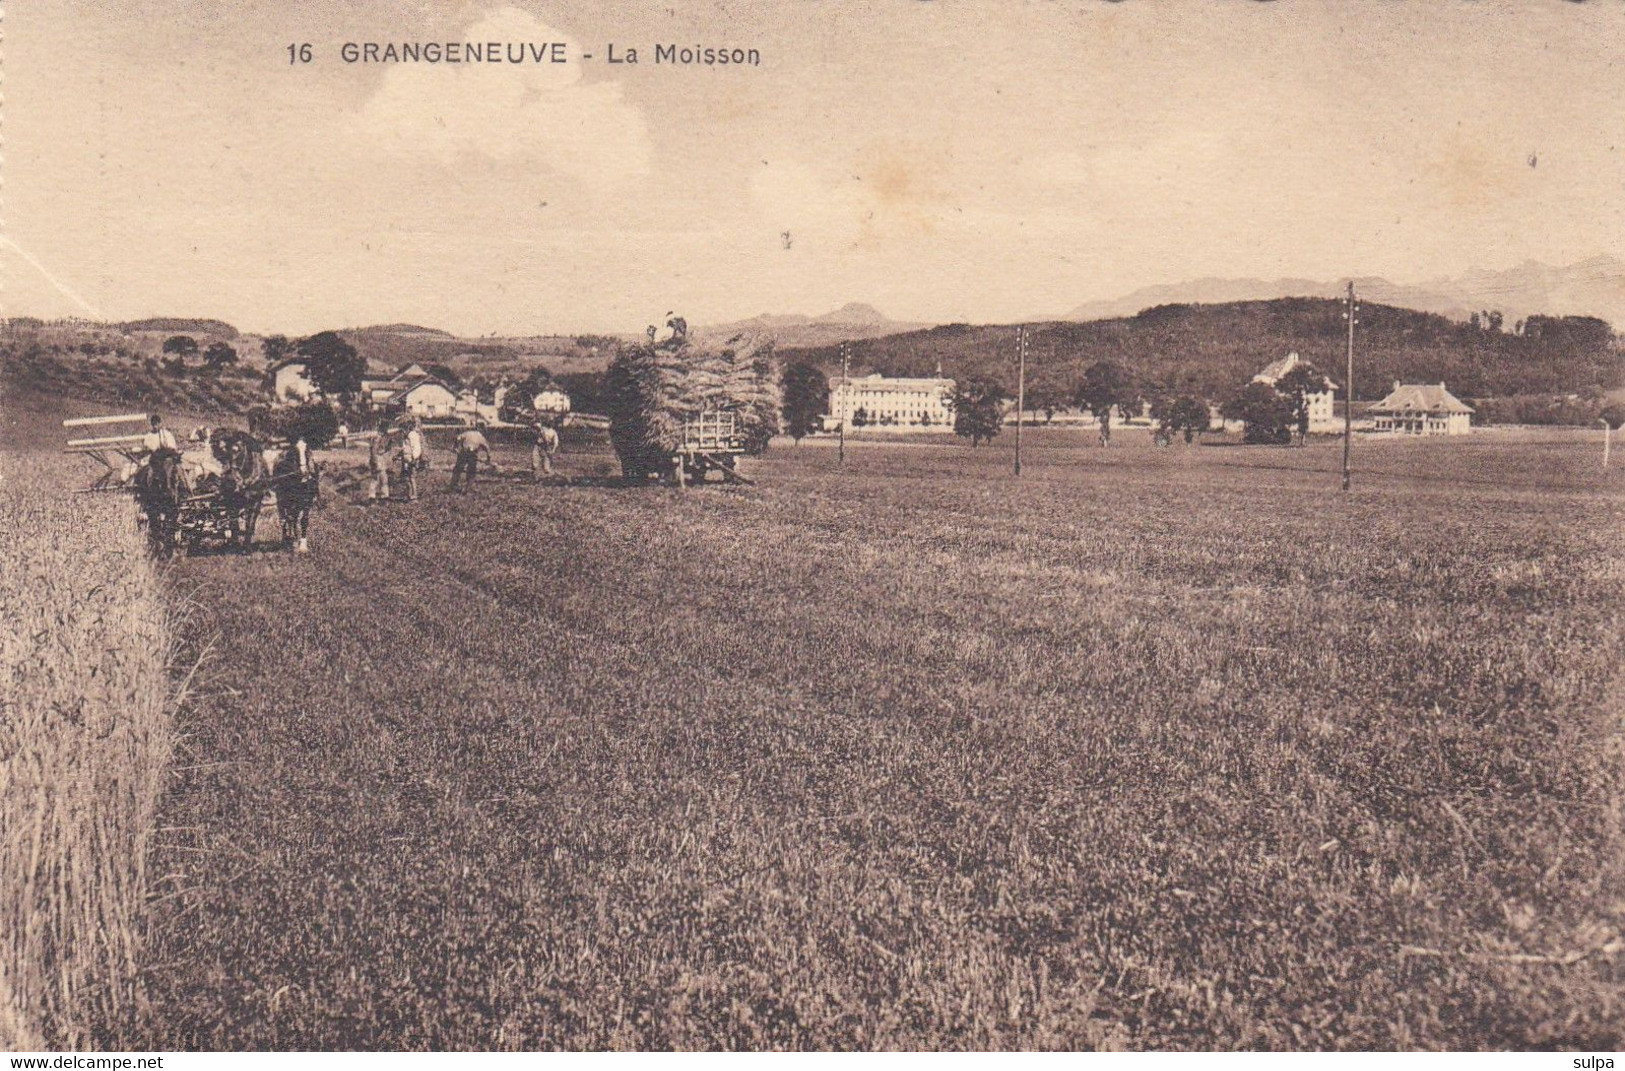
1216,349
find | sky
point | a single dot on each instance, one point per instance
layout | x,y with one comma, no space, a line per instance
942,160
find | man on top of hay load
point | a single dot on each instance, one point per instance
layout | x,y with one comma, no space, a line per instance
470,445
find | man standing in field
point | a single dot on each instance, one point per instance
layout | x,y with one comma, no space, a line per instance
543,449
412,457
378,464
470,445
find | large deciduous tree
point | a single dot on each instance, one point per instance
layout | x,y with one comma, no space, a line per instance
219,354
332,365
978,407
276,348
806,398
1297,385
1265,412
1184,414
181,346
1106,385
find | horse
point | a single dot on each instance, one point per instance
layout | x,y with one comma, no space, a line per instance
297,487
158,491
243,486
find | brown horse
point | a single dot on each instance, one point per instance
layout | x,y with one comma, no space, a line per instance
297,487
158,491
244,484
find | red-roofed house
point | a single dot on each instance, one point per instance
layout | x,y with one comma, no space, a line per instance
1422,409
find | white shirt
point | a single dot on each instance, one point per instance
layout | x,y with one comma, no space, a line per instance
414,445
163,437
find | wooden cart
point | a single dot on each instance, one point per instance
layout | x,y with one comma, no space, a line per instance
711,442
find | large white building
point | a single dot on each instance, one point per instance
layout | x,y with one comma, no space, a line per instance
1422,409
890,404
1322,416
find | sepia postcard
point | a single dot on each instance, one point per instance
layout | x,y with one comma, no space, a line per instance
842,525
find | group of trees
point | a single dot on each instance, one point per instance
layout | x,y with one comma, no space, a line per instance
1215,348
181,348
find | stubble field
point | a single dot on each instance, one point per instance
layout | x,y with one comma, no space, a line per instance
1156,748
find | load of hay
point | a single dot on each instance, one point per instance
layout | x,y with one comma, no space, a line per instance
651,389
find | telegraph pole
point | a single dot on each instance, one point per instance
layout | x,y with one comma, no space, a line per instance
1348,386
1021,388
846,399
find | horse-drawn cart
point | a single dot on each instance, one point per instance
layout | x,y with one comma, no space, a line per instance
212,495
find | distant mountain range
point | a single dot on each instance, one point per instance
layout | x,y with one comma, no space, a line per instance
1594,287
851,321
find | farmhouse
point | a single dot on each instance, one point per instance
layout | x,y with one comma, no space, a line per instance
1422,409
1321,416
890,404
290,382
413,390
551,400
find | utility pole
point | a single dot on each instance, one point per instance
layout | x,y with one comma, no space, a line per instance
846,398
1348,386
1607,433
1021,388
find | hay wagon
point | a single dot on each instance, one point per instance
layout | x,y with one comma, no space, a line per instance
709,442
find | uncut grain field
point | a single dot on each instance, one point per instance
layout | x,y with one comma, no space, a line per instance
1156,748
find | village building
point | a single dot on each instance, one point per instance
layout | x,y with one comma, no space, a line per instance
1322,416
411,390
550,400
290,382
890,404
1421,409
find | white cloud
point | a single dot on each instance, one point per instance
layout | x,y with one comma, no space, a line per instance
537,113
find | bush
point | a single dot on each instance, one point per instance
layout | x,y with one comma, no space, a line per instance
315,422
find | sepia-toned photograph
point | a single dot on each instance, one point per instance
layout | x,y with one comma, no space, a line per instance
840,525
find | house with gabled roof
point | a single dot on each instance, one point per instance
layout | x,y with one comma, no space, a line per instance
1322,416
289,380
1422,409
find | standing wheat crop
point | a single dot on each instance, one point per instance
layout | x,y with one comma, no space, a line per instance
85,714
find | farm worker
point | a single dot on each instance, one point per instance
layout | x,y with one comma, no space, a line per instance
470,445
378,464
158,437
343,434
201,462
412,457
542,451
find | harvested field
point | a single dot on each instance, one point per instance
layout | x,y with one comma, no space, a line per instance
1158,748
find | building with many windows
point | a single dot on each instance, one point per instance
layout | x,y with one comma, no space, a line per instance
1421,409
890,404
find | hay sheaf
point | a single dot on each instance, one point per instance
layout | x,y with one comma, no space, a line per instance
652,390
